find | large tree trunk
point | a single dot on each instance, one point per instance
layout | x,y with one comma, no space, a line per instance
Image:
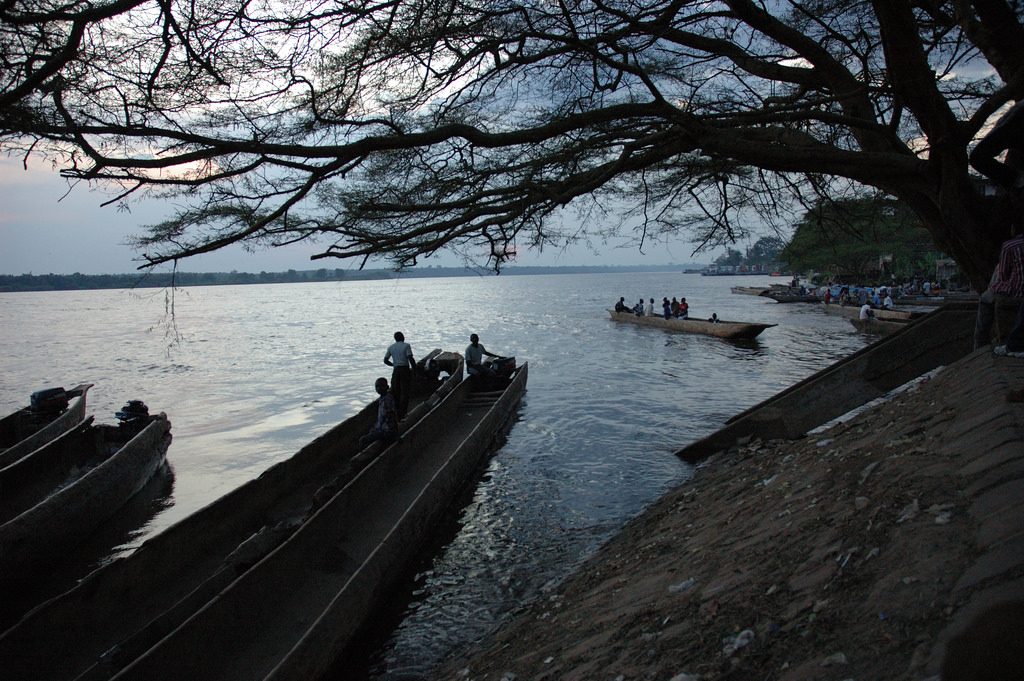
965,225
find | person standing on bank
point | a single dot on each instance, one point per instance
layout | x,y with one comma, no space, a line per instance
1008,176
386,427
399,356
1007,283
475,352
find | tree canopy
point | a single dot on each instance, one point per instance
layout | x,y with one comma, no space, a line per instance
852,238
399,128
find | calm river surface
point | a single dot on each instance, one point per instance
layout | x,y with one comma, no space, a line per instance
249,374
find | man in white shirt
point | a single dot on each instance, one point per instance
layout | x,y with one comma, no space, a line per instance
475,352
399,356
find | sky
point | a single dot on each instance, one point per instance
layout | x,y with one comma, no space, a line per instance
45,228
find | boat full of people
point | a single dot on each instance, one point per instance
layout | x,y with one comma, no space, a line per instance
708,327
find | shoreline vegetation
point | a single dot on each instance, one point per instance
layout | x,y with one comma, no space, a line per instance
10,283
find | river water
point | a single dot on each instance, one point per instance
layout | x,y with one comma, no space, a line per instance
249,374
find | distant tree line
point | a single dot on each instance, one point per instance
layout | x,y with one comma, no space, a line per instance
863,239
764,255
78,281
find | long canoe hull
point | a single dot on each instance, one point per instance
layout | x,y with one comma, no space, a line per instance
120,610
731,330
937,339
304,602
39,536
22,446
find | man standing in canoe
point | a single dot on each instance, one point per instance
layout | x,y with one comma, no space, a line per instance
399,356
386,427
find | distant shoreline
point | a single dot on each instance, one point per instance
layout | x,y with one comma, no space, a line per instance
81,282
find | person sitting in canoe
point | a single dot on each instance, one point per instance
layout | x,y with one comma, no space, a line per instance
714,318
866,312
621,305
638,309
386,427
684,309
666,308
475,352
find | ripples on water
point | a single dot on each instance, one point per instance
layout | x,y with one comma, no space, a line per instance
258,371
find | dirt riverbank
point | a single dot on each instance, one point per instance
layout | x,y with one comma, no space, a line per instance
854,553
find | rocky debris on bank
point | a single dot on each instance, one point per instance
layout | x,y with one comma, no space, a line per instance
855,553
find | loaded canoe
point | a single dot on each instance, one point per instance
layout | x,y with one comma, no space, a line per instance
56,496
126,606
732,330
33,426
304,602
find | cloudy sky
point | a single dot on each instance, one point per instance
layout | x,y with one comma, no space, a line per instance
45,228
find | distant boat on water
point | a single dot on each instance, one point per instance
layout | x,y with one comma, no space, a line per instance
748,290
785,294
732,271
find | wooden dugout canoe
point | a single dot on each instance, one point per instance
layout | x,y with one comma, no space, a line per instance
295,611
731,330
789,297
56,496
940,337
22,432
749,290
853,312
119,611
879,326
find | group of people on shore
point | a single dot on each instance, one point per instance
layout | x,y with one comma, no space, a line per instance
879,298
393,403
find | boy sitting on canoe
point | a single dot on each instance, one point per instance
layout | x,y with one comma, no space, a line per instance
386,427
